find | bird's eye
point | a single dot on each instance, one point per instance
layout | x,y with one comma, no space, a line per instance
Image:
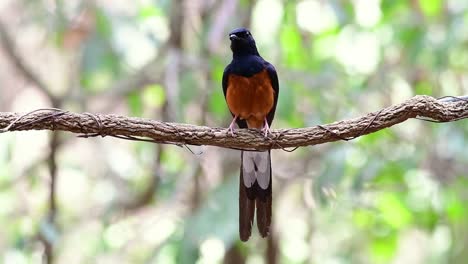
242,34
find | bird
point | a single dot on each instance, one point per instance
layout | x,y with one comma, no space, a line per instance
251,89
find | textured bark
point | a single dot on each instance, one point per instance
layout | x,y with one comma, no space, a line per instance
247,139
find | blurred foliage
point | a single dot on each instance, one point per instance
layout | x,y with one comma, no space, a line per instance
395,196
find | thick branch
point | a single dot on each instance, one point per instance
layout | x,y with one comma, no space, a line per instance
172,133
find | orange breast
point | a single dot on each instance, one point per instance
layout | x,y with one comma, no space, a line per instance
250,98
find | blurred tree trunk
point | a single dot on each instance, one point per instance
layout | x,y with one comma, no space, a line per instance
271,254
234,256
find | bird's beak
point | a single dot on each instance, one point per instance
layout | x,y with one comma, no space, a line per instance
233,37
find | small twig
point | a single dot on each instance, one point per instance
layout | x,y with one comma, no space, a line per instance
275,143
362,132
9,127
191,151
449,98
133,138
100,127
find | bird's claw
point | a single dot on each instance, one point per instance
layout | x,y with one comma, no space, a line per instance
266,129
230,131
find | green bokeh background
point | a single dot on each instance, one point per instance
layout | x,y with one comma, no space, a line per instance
395,196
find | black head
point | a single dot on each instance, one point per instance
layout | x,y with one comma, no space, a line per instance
242,42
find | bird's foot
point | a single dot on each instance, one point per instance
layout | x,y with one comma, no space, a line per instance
266,129
230,129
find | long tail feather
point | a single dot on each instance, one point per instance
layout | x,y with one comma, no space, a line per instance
263,203
246,208
255,190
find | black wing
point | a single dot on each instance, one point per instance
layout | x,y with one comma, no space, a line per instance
274,83
227,72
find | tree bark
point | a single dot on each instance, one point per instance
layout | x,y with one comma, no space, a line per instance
134,128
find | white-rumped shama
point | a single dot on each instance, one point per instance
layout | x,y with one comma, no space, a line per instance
250,86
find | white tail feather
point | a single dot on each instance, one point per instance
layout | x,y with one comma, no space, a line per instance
256,166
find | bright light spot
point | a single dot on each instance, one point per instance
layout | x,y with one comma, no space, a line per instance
266,18
357,51
356,158
297,227
212,251
321,244
117,235
7,203
296,249
448,81
104,192
423,189
4,4
157,233
442,240
367,12
420,182
122,162
145,2
325,46
157,26
457,6
14,257
413,247
437,35
294,244
386,35
134,45
27,226
167,254
255,259
401,90
72,186
315,16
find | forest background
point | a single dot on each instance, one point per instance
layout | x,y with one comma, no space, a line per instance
395,196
